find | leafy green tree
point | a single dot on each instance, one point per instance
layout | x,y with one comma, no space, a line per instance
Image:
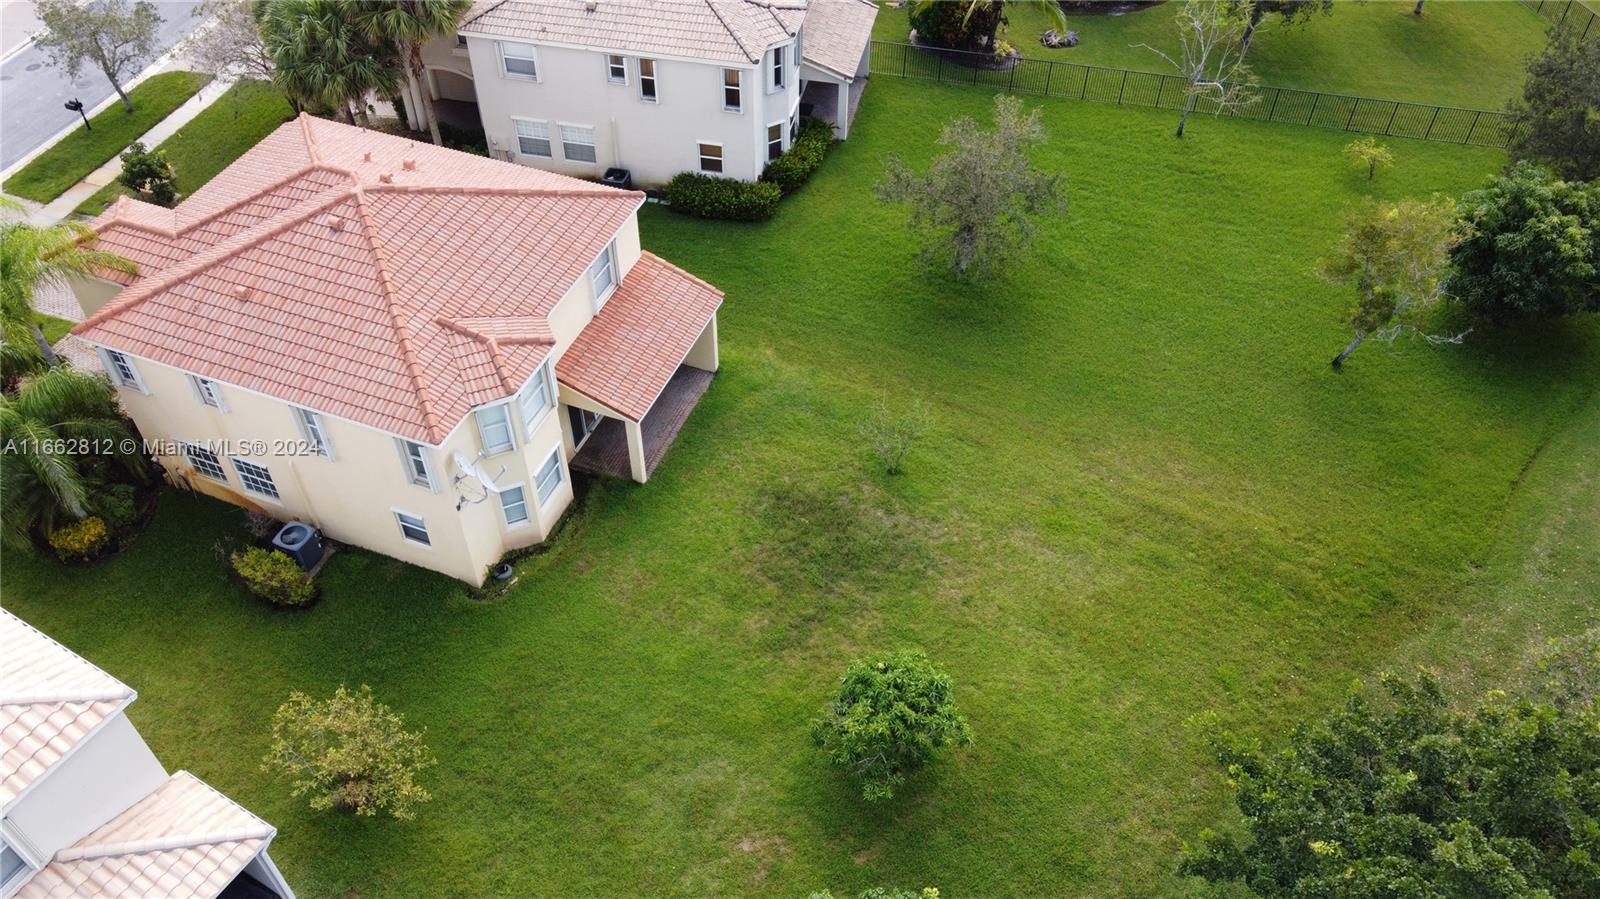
148,174
322,57
34,256
971,24
43,483
1367,153
1210,57
976,205
1532,246
350,752
1408,797
407,25
1289,12
116,36
1557,119
892,713
1396,256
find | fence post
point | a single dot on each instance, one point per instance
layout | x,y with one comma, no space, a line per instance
1473,127
1564,13
1123,88
1585,35
903,57
1352,116
1047,74
1428,135
1160,89
1539,7
1275,95
1315,99
1084,92
1390,123
1013,82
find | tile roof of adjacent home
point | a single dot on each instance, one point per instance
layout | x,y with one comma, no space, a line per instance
359,274
736,31
631,349
51,700
837,33
183,841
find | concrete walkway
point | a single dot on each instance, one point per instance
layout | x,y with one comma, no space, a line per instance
60,209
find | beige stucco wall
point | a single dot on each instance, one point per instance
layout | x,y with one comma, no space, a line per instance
92,293
653,140
353,496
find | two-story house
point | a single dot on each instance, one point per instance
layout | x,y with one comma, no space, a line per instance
89,812
405,346
656,87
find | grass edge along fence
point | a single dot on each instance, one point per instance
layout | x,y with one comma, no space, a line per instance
1561,12
1130,87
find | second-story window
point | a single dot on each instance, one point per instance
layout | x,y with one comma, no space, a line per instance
313,431
603,274
647,81
416,462
494,428
732,96
616,69
535,400
517,60
779,70
208,393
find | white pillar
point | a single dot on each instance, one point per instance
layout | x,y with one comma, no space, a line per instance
842,118
636,450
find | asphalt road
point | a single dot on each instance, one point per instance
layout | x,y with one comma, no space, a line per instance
32,91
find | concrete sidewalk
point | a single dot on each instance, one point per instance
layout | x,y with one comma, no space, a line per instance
61,207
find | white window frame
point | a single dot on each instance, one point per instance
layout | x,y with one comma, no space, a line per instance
532,57
208,393
542,380
654,78
778,70
314,431
615,61
408,466
479,418
560,476
29,867
221,475
244,481
738,91
609,253
505,515
400,516
517,135
778,125
123,372
593,144
721,158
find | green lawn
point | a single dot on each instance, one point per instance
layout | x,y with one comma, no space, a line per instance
1144,495
237,121
83,151
1457,53
54,328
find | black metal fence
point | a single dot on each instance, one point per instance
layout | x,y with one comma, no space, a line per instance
1127,87
1579,15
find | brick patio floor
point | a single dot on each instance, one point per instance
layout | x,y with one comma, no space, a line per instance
606,452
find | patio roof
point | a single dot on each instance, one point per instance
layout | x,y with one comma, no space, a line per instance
837,33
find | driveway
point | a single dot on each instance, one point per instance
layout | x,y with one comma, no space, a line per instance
31,92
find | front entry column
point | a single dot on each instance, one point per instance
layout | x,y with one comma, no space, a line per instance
636,450
841,119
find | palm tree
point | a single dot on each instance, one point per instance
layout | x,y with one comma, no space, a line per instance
34,256
320,56
407,25
45,478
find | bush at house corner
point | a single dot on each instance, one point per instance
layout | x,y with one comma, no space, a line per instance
711,197
273,577
796,167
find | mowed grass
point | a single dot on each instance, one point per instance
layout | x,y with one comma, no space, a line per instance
237,121
1144,494
73,157
1457,53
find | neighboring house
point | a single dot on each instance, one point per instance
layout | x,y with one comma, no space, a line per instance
89,811
657,88
403,345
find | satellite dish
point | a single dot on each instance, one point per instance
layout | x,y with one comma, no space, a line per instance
469,469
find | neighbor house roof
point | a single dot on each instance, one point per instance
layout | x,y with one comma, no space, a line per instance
359,274
183,841
51,700
837,33
628,353
719,30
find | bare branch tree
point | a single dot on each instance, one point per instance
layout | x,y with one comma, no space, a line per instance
1211,58
114,35
229,45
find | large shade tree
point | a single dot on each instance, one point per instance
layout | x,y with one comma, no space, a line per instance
114,36
1556,121
322,57
406,25
1531,247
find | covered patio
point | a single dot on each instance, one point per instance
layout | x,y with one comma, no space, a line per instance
607,452
835,61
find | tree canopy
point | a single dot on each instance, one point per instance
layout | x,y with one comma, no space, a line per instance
1532,246
113,35
1557,120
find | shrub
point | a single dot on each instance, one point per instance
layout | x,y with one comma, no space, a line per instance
1532,247
116,504
81,540
1367,153
148,174
946,24
889,717
273,576
350,752
711,197
795,167
891,435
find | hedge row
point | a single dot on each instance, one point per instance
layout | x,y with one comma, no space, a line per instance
795,167
713,197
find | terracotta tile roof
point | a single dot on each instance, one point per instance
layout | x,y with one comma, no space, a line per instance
837,32
183,841
630,350
51,700
721,30
389,282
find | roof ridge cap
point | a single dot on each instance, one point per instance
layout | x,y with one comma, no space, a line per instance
62,698
314,166
492,343
408,353
163,844
311,139
202,261
64,648
711,5
501,190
